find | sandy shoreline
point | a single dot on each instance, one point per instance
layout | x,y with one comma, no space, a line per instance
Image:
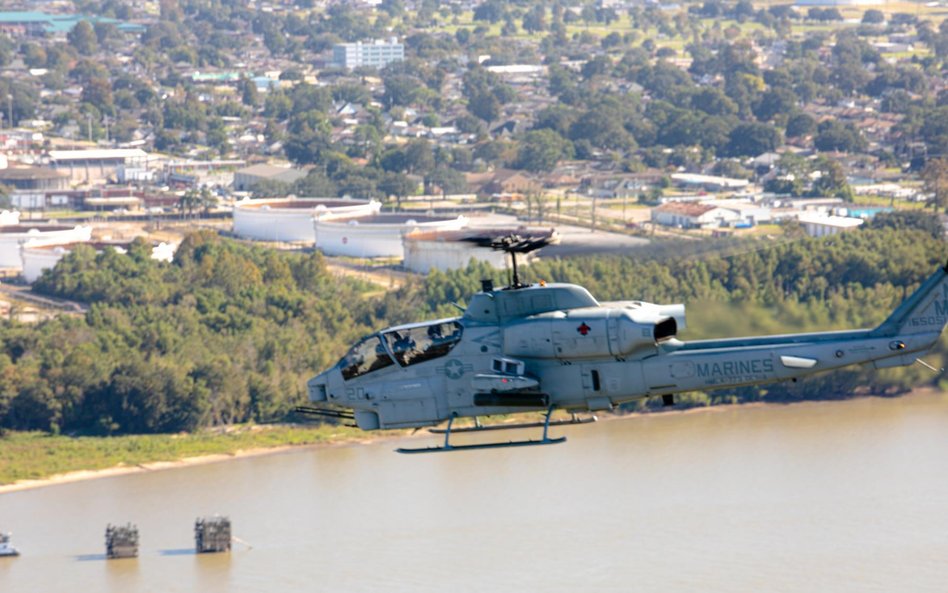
80,475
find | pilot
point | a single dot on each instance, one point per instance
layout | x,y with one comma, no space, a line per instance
402,346
434,333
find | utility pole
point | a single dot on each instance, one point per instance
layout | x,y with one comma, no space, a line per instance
89,126
10,109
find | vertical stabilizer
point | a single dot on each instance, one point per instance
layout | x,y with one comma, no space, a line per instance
926,311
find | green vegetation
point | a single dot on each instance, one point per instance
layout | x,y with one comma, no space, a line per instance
224,335
229,333
37,455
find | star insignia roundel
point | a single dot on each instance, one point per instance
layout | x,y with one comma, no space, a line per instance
583,329
454,369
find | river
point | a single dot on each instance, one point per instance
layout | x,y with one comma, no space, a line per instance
841,496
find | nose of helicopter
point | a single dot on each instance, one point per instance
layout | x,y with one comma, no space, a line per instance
318,387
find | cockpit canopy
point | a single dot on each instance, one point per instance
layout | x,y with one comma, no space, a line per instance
405,345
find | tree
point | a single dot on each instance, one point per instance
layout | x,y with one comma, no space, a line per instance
835,136
752,139
400,90
535,19
799,125
485,106
541,150
935,179
248,92
873,17
447,180
98,93
398,185
82,38
775,102
418,157
832,180
189,201
907,221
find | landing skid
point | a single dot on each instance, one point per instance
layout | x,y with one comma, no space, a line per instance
478,427
545,440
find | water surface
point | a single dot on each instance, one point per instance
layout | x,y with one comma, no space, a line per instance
845,496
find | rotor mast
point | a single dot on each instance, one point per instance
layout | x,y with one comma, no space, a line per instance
514,244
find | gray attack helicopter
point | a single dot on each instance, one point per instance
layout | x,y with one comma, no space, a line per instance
542,347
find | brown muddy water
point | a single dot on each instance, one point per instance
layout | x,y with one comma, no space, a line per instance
843,496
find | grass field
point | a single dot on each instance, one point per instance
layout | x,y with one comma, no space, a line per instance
36,455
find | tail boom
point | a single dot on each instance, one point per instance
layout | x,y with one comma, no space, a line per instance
913,328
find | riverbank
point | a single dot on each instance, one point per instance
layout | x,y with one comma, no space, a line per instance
32,459
35,460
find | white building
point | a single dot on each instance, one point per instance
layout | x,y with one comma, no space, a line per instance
688,215
821,225
376,54
747,211
291,220
376,236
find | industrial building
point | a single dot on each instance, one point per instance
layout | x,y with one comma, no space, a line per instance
377,236
377,54
100,164
820,225
33,178
34,23
291,220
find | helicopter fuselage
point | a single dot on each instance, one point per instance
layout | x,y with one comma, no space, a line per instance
554,346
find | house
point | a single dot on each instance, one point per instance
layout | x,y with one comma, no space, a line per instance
688,215
510,182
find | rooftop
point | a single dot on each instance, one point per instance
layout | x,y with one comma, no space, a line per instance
685,208
97,154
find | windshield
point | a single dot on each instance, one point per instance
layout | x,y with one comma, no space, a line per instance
418,344
366,356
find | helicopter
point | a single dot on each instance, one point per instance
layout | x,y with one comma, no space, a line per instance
542,347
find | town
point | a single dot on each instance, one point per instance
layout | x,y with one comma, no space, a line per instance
615,122
248,248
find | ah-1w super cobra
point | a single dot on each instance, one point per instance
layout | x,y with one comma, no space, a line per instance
553,346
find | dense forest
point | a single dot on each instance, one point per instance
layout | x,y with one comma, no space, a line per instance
230,333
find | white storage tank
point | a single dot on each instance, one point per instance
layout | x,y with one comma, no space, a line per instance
291,220
37,258
377,236
12,239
